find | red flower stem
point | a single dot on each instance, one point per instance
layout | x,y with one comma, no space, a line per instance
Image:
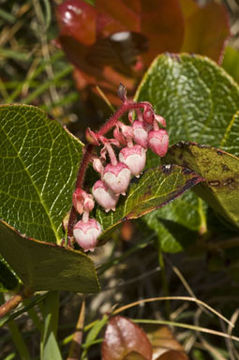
126,106
79,183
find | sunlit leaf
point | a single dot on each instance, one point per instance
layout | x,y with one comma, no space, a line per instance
38,166
220,170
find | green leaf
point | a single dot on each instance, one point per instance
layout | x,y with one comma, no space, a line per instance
198,100
230,62
177,224
50,311
38,167
46,266
155,188
230,141
220,170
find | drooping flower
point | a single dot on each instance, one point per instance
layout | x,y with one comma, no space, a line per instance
134,157
86,233
117,177
158,141
104,196
140,133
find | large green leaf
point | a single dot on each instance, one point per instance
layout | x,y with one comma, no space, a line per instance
46,266
154,189
220,170
198,100
38,166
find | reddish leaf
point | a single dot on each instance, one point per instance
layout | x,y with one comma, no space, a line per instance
163,342
125,340
77,19
206,28
115,41
86,36
160,21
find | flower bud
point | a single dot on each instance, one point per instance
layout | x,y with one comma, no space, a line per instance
119,136
140,133
87,233
158,141
117,177
104,196
82,201
134,157
97,165
148,116
160,120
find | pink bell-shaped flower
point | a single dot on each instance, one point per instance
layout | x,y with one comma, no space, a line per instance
158,141
86,234
117,177
134,157
140,133
82,201
104,196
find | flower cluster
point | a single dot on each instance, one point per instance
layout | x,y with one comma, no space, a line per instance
146,130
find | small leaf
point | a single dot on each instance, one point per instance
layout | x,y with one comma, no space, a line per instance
154,189
50,311
220,170
125,340
38,166
45,266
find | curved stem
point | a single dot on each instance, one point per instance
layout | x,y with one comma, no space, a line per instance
126,106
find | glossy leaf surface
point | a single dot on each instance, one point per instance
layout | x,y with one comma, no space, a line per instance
38,167
125,340
45,266
220,170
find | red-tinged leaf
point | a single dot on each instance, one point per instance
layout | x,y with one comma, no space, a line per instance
115,41
160,21
163,340
125,340
77,19
206,28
